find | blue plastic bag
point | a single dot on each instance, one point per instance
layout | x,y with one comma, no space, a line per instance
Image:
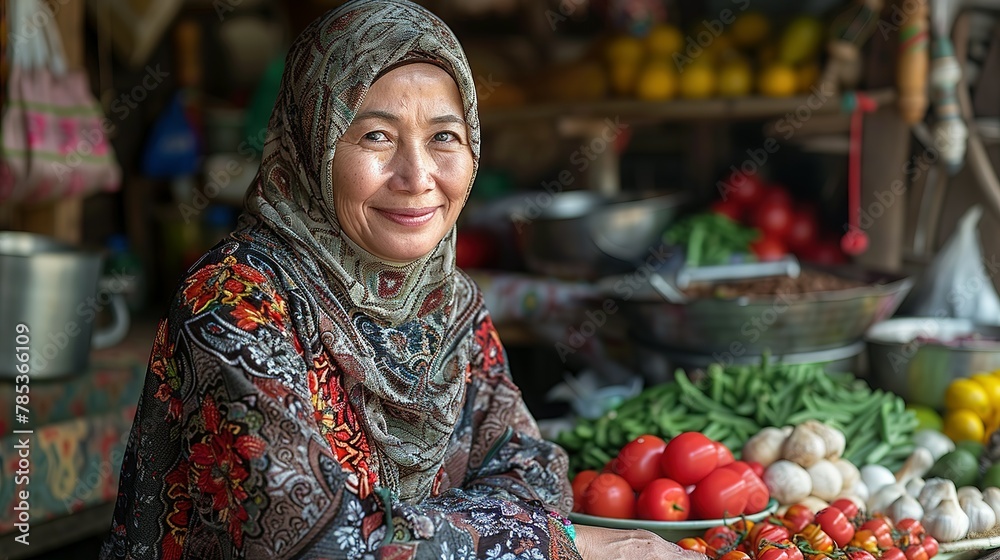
173,148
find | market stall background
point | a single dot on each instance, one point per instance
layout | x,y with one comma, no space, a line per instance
640,159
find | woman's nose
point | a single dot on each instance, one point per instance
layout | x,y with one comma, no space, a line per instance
414,169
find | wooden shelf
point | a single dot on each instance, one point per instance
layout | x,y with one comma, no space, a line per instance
634,111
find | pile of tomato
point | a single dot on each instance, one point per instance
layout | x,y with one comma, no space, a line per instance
691,477
839,532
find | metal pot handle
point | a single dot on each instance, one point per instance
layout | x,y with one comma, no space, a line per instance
116,331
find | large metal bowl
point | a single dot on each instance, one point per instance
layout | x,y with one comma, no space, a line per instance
910,356
561,236
733,328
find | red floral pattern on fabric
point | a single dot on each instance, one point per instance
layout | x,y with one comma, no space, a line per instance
219,466
162,364
230,283
338,423
488,340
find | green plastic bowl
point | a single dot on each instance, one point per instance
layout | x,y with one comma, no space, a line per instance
670,530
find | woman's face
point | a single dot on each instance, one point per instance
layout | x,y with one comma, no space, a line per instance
401,171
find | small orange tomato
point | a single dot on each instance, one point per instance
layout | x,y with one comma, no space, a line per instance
866,540
735,555
696,544
817,538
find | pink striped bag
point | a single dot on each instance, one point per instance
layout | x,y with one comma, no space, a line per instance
55,141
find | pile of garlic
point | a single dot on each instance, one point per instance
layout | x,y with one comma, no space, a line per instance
804,465
948,514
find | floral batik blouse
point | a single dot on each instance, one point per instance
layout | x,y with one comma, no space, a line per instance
246,446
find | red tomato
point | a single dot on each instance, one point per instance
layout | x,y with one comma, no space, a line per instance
930,544
720,539
797,516
757,492
882,531
609,495
728,208
769,247
724,454
688,458
663,500
860,555
835,523
767,532
854,242
773,213
757,468
723,493
818,540
474,249
823,251
785,550
742,188
580,483
802,230
735,555
915,552
913,529
696,544
893,553
639,461
848,507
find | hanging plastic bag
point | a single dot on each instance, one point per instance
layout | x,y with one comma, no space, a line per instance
956,283
54,138
173,148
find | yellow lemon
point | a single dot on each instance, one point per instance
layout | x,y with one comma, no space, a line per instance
736,80
801,40
657,81
962,425
778,80
624,49
992,386
664,40
749,29
966,394
808,75
697,81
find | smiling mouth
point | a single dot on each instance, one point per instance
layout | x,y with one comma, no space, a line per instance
409,216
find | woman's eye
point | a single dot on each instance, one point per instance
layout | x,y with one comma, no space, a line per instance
375,136
445,136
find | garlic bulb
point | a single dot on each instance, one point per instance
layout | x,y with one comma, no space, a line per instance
804,447
876,476
848,472
947,522
905,507
992,497
934,441
833,439
815,504
967,492
935,491
885,497
914,486
981,515
826,480
860,489
787,482
765,447
916,466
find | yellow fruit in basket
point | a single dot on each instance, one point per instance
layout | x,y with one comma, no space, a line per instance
962,425
657,81
749,29
697,81
664,40
778,80
800,40
736,80
966,394
808,75
992,386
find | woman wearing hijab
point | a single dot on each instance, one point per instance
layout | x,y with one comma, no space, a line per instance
327,384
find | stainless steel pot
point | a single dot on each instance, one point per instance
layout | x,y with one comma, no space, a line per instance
49,302
558,239
909,356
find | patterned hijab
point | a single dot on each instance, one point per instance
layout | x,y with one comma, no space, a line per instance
400,333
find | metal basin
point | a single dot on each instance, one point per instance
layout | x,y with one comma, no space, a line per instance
911,357
733,328
559,241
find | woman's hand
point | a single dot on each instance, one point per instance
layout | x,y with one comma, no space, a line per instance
598,543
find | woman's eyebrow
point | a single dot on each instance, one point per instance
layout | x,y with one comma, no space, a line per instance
391,117
449,119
